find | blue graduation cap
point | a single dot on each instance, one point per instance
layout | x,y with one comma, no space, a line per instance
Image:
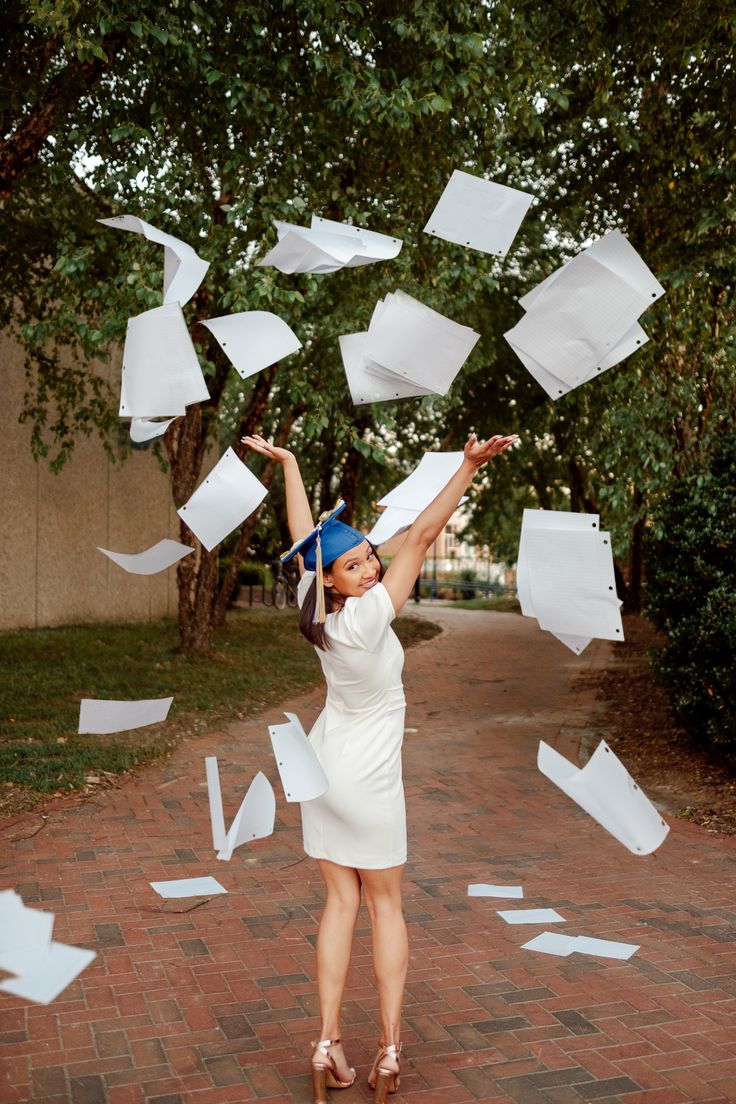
329,540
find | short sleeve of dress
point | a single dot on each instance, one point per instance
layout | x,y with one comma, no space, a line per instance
363,621
304,584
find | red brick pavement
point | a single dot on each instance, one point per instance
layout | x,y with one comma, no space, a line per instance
217,1004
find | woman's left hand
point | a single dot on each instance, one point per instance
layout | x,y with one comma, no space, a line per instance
479,452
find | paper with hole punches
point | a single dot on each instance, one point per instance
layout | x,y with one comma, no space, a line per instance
184,270
478,213
253,340
301,774
161,375
222,501
605,790
327,246
254,819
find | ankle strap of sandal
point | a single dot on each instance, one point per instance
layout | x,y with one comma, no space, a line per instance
392,1049
323,1044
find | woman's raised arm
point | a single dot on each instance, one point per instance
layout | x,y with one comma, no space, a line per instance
407,563
298,511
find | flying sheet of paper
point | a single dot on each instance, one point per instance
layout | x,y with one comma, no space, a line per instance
545,520
188,887
22,928
390,523
551,943
183,269
365,382
418,343
228,495
253,340
576,644
606,791
161,374
299,768
154,559
578,320
104,716
431,474
573,584
482,889
254,819
146,429
478,213
531,916
42,976
327,246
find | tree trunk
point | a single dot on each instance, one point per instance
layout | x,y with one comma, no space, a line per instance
632,599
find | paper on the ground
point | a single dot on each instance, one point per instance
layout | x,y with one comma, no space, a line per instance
42,976
253,820
365,381
431,474
412,341
608,793
183,269
564,577
161,374
390,523
301,774
228,495
253,340
551,943
21,927
156,558
478,213
532,916
604,948
146,429
188,887
327,246
103,716
483,889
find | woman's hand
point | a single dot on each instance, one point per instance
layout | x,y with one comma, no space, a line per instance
479,453
260,444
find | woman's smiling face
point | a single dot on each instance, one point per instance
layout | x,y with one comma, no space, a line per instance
355,572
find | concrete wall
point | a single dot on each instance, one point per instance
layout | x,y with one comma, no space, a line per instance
50,570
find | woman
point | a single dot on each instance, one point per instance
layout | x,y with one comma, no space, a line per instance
357,830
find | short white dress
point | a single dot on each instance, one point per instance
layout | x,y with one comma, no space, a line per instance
361,821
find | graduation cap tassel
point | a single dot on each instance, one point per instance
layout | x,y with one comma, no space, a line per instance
320,611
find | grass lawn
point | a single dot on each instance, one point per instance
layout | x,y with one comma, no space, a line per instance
259,658
501,603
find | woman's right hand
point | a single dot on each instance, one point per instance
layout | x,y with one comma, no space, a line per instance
260,444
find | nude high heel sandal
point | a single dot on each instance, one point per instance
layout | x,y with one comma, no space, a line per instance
324,1074
387,1080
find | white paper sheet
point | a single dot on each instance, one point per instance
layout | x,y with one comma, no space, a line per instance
478,213
146,429
389,524
184,270
327,246
161,374
103,716
367,384
483,889
545,520
253,340
532,916
431,474
228,495
576,644
22,928
254,819
301,774
606,791
573,584
605,948
42,976
152,560
551,943
188,887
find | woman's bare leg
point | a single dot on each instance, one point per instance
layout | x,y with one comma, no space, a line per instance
382,890
334,945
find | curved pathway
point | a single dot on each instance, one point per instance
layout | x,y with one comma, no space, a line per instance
217,1004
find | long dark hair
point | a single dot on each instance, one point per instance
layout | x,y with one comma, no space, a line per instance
315,630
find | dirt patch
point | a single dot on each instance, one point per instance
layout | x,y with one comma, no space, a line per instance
683,778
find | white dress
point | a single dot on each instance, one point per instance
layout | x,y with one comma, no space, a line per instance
361,821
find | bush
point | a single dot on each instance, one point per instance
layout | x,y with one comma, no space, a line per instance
467,575
250,575
691,596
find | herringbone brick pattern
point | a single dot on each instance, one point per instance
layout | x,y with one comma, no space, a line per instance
214,1002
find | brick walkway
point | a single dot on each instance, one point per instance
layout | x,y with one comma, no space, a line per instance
217,1004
